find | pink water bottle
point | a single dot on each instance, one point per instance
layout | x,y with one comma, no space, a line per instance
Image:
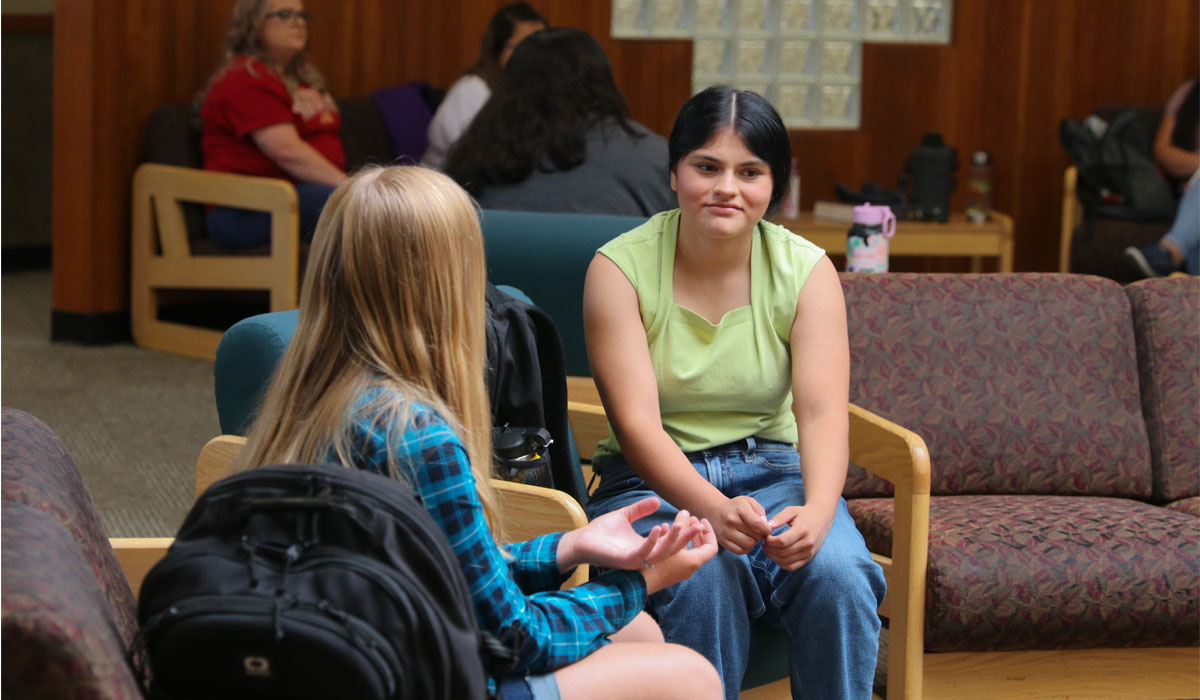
867,241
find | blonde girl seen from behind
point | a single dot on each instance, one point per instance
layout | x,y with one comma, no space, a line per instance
386,372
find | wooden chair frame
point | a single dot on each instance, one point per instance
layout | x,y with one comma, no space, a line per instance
528,511
162,257
1072,216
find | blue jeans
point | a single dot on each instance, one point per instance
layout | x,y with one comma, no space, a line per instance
1185,231
828,607
246,228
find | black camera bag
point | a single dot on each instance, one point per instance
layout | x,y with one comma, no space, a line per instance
311,582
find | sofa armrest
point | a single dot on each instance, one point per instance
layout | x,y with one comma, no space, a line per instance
900,456
137,555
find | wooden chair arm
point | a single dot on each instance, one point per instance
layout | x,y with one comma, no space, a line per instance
216,460
532,511
137,554
589,425
215,188
1072,214
159,190
528,511
889,450
900,456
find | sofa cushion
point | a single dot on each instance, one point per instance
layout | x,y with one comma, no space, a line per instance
38,471
1166,327
1191,506
61,640
1051,572
1019,383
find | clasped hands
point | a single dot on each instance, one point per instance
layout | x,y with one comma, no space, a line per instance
741,522
663,556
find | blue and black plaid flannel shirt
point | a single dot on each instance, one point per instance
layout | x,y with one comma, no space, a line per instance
516,598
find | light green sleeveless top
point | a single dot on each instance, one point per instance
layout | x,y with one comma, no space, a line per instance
724,382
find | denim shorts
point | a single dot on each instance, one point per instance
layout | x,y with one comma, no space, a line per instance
518,687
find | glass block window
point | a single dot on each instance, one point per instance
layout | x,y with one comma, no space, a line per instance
803,55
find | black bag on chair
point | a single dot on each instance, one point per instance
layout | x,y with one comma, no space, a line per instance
527,387
311,582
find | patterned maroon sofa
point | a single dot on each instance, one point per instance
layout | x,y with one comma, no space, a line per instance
68,611
1061,413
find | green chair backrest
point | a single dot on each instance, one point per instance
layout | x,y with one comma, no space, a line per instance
546,256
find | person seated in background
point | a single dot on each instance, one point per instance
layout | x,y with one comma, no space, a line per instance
556,136
386,373
1177,151
266,112
507,28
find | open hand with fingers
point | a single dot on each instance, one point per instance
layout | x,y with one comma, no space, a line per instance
684,561
610,540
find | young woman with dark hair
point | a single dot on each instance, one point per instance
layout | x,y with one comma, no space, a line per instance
718,344
556,136
507,28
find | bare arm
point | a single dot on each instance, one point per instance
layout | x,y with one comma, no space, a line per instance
620,359
282,144
820,402
1174,160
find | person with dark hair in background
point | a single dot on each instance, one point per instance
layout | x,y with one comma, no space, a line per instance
718,343
266,112
556,136
1177,151
507,28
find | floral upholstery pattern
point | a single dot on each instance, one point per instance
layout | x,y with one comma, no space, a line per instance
1166,326
38,471
1051,572
60,640
1191,506
1019,383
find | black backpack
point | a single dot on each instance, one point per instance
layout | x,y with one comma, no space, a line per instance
1117,177
312,582
527,387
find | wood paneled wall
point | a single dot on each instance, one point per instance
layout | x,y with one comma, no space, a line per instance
1013,70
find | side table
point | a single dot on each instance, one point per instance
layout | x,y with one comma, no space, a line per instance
956,237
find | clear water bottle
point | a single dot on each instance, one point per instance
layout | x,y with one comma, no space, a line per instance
979,187
867,240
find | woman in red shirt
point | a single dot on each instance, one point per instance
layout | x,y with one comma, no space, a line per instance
266,112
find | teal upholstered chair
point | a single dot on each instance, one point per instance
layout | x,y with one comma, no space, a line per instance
547,256
246,359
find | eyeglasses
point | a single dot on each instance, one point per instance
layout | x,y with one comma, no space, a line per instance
287,15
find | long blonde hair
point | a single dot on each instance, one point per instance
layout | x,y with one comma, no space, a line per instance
393,299
241,39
